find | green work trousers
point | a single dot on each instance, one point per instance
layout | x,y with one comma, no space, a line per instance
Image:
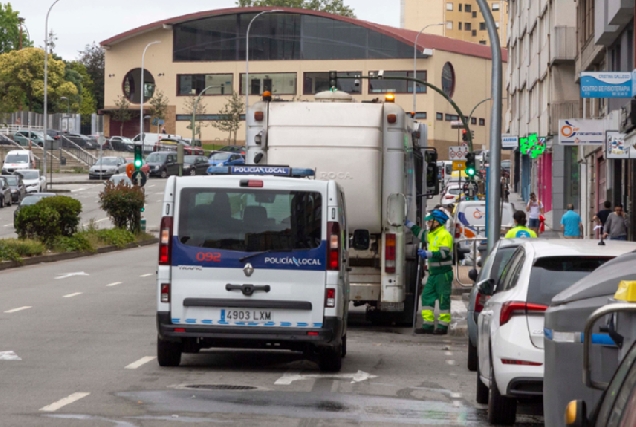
437,287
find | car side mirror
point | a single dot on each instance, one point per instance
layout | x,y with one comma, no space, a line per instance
487,287
361,240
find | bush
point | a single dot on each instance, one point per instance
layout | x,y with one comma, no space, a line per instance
14,249
69,210
38,222
79,242
116,236
123,203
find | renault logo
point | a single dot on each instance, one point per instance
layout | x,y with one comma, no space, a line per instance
248,269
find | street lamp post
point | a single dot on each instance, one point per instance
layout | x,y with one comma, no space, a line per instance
415,65
141,101
46,82
247,59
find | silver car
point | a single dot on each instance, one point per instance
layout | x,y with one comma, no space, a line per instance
105,167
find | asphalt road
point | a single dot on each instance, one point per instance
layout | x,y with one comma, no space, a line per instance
77,348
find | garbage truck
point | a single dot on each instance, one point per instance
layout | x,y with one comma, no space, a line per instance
379,155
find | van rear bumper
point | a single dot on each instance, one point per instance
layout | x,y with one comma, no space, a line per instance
238,336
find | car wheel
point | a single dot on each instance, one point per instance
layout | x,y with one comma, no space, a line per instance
482,391
193,171
10,201
501,409
344,346
473,358
168,352
164,173
330,359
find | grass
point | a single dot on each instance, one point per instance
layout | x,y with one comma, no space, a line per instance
16,249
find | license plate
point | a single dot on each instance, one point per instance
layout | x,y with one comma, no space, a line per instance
231,315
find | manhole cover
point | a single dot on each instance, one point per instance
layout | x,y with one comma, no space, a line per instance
221,387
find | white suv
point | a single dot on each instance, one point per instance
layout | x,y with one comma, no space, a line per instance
510,343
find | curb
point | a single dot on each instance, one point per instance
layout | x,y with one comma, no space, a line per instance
92,181
5,265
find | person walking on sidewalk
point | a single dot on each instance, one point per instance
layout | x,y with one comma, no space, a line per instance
535,210
602,215
439,254
520,231
571,224
617,224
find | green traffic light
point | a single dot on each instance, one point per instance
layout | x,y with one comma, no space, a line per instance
143,209
470,172
137,163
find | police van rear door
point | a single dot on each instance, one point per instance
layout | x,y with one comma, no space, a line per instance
249,251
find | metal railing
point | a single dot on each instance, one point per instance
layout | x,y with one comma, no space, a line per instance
475,241
72,149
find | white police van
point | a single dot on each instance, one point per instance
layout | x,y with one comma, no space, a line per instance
253,257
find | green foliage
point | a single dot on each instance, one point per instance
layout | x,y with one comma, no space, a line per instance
84,103
49,218
92,57
79,242
189,105
15,249
10,33
332,6
116,236
159,104
69,210
230,116
123,204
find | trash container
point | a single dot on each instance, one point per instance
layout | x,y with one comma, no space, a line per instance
63,161
143,224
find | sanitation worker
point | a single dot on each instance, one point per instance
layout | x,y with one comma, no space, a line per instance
439,253
520,230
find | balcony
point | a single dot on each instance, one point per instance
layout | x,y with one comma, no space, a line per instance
561,111
562,45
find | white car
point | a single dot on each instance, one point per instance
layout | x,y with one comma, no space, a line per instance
510,326
34,182
451,195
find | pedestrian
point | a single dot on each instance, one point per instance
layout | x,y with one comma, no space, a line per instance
571,224
448,211
439,253
163,130
535,210
505,192
601,216
520,231
617,224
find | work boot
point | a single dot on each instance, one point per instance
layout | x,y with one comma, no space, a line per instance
421,331
441,330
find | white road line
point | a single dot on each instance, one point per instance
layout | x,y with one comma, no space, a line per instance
79,189
63,402
77,273
159,193
150,186
8,225
140,362
448,353
146,275
114,284
455,395
457,404
451,362
15,310
9,355
72,295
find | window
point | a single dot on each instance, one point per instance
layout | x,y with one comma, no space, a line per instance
397,86
449,25
452,117
449,6
448,79
460,7
421,115
474,14
439,116
474,33
132,83
467,26
319,82
276,83
473,120
220,84
460,26
468,8
482,41
482,26
482,122
495,6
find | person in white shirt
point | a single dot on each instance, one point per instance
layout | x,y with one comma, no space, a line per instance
535,210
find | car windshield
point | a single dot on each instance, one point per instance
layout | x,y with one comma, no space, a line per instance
156,157
190,159
250,221
495,265
31,200
30,174
13,180
220,156
455,191
16,158
108,161
551,275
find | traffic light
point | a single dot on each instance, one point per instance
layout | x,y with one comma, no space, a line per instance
464,135
470,165
333,80
138,157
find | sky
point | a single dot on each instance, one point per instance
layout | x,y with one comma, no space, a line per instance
77,23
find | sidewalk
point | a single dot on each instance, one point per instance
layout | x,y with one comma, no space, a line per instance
549,233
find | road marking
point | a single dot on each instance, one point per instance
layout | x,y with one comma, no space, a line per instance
455,395
79,189
15,310
77,273
72,295
100,220
8,355
451,362
63,402
8,225
457,403
140,362
150,186
448,353
288,378
114,284
146,275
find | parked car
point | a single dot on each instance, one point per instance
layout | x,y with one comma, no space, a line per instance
122,177
145,168
160,161
234,149
121,143
5,192
23,137
83,141
510,326
30,199
33,180
16,160
105,167
18,189
226,159
492,270
194,165
171,144
451,195
55,134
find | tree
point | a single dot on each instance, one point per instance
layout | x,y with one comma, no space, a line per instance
189,106
230,116
122,113
331,6
85,103
10,30
159,103
93,59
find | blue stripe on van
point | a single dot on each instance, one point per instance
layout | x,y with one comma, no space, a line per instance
299,260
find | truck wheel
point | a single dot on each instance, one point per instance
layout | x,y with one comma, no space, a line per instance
344,346
473,358
168,352
482,391
330,359
501,409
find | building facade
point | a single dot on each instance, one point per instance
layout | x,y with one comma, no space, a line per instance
290,54
462,20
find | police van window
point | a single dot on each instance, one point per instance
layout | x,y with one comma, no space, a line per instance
250,221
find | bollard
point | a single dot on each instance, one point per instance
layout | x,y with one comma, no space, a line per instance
143,225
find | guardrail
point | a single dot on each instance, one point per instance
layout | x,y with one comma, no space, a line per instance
74,150
474,250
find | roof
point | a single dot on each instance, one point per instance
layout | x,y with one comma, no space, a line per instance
578,247
427,41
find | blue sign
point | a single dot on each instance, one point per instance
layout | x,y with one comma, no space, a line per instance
261,170
607,85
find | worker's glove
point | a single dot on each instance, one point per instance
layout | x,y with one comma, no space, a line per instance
422,253
409,223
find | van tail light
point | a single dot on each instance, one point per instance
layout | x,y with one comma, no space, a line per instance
449,196
165,292
480,301
330,298
165,241
458,230
333,248
389,253
510,308
520,362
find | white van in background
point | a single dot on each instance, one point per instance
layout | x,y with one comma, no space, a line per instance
18,160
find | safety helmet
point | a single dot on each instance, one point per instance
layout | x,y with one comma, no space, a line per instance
438,216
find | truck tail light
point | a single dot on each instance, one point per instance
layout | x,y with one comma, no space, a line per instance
333,249
165,241
389,253
480,301
510,308
330,298
165,292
